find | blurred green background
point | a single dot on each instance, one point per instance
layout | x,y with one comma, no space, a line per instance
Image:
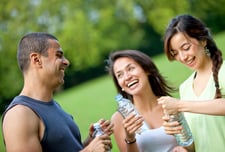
88,31
94,99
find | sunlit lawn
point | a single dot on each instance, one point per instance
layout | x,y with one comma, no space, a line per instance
95,99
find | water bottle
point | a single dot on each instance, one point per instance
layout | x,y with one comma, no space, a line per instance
98,131
185,137
126,107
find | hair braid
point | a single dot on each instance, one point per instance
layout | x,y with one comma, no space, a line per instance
217,61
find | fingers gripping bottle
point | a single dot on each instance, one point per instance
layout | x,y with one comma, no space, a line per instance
98,131
185,137
126,107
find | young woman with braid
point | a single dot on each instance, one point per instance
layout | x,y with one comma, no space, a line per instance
188,41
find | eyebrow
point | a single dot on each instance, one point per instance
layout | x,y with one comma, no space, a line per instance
126,67
59,51
184,44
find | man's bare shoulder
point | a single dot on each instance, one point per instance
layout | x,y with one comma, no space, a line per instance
19,111
21,129
20,117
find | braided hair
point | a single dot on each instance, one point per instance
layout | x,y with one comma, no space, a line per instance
195,28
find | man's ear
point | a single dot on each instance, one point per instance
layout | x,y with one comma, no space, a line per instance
35,59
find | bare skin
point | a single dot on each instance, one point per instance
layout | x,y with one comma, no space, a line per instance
128,72
191,53
44,75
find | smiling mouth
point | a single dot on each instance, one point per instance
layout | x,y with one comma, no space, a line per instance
132,83
62,69
190,62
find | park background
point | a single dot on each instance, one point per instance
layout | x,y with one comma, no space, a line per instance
88,31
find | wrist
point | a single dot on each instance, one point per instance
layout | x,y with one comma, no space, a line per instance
130,141
182,106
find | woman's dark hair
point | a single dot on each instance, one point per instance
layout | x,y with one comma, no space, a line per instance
157,82
196,29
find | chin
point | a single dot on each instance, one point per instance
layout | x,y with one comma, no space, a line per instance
59,84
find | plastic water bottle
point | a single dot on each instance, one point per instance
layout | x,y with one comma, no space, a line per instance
98,131
126,107
185,137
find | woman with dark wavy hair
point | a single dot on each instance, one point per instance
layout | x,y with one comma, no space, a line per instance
188,41
136,77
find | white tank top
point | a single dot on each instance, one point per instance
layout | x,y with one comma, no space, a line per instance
155,140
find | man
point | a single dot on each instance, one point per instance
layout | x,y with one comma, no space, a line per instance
34,122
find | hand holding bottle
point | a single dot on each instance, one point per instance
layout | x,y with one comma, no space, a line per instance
169,104
171,128
98,133
106,126
102,142
179,149
183,133
99,144
133,121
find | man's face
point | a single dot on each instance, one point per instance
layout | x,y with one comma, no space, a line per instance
54,65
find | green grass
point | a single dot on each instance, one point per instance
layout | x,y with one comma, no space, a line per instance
89,102
95,99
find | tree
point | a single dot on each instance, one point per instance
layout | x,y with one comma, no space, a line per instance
89,30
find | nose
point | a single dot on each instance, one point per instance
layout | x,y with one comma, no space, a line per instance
127,75
182,56
66,62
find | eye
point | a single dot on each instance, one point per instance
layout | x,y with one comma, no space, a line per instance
119,75
186,47
59,56
131,68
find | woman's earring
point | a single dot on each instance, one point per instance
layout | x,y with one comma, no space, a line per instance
207,52
123,89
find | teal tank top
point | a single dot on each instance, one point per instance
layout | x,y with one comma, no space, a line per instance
61,132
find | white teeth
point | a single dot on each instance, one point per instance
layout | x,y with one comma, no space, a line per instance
189,62
132,83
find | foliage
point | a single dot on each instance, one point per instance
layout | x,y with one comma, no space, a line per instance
89,30
211,12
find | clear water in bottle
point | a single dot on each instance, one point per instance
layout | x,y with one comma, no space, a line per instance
98,131
126,107
185,137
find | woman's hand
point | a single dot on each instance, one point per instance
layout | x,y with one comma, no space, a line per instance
171,128
131,124
169,104
179,149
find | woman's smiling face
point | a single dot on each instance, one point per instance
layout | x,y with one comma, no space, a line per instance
188,51
130,75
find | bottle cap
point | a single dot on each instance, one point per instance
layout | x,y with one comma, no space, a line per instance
96,125
118,97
